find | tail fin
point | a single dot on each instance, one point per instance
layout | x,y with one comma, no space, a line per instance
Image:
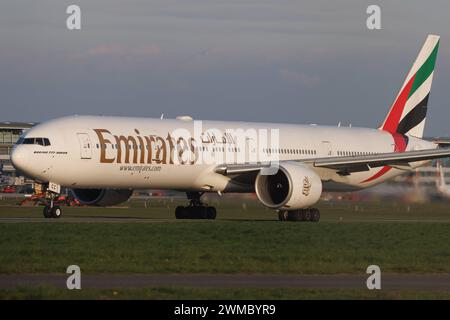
408,112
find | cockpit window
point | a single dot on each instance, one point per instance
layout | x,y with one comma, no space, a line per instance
40,141
28,141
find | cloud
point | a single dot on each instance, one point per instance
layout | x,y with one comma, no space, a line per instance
299,78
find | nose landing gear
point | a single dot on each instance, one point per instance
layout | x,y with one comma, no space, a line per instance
51,210
311,215
196,208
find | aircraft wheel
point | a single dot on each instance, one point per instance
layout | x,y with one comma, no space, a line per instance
300,215
56,212
283,215
201,212
180,212
211,213
307,216
47,212
315,215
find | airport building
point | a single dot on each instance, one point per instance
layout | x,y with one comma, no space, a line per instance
9,134
426,175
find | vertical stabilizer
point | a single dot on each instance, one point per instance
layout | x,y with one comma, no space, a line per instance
408,112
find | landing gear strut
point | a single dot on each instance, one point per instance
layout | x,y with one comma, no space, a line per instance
50,210
311,215
196,208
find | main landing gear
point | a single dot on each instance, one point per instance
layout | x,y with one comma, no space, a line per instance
196,208
311,215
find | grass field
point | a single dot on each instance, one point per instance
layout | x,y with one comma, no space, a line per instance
246,238
224,246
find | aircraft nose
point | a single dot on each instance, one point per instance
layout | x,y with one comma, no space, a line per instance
19,159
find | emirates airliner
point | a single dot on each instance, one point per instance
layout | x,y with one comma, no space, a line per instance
103,159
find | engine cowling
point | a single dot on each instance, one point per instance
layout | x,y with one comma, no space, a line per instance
102,197
294,186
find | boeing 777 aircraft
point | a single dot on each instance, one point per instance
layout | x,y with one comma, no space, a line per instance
102,159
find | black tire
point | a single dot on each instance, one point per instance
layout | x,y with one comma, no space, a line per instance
211,213
47,212
307,215
283,215
315,215
201,212
190,212
297,215
180,212
300,215
291,215
56,212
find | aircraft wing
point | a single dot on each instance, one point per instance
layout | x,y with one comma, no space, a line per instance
393,159
442,142
346,165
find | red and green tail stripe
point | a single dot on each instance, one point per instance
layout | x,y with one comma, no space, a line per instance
418,112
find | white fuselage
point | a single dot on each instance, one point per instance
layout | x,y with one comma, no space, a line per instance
135,153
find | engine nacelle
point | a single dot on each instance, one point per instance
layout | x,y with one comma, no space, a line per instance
102,197
294,186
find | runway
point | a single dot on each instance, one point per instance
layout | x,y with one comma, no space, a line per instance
85,219
131,219
435,282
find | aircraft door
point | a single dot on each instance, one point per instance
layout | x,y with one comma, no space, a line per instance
250,150
325,149
85,146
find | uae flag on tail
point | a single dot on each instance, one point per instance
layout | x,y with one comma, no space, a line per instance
408,112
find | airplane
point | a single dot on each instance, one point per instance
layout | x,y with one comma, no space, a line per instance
441,185
102,159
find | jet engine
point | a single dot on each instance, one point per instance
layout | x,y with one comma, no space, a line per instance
102,197
294,186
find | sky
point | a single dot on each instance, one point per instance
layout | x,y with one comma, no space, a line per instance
276,61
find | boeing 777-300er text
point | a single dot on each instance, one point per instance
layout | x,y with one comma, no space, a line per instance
103,159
